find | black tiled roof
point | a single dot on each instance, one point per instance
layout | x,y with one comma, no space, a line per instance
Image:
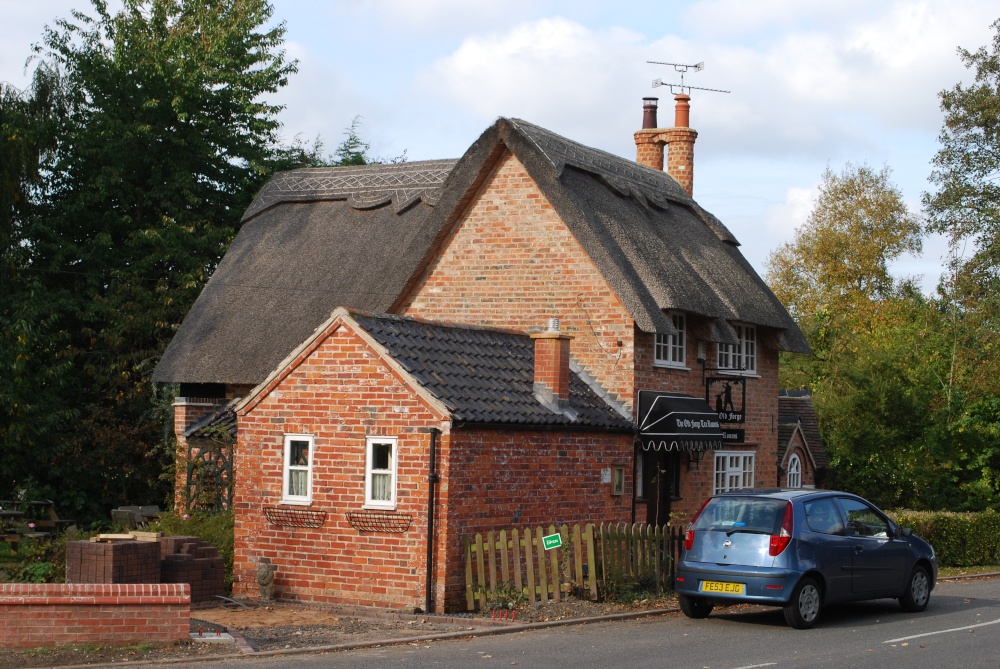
484,375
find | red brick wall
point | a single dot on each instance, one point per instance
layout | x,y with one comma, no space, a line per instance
506,479
340,394
490,479
511,262
33,615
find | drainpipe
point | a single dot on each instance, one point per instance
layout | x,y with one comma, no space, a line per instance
432,480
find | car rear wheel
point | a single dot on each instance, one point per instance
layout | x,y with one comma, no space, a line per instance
694,607
803,609
918,591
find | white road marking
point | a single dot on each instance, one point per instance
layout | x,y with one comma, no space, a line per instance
957,629
756,666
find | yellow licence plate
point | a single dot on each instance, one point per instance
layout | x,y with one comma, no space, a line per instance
720,586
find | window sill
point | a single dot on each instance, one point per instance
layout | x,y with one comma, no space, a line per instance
378,507
296,502
736,372
664,365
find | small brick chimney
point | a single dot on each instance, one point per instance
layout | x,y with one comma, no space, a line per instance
679,140
552,360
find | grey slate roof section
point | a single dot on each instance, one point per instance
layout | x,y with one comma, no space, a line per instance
796,406
484,375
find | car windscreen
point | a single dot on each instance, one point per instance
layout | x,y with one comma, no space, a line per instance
742,514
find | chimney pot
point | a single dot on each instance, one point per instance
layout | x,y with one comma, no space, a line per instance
682,112
649,106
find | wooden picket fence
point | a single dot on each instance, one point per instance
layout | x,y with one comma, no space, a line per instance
608,554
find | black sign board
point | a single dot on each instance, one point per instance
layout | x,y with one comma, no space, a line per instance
733,436
674,421
728,396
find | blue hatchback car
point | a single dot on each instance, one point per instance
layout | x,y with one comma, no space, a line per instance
800,550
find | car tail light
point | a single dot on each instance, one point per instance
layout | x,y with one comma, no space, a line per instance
780,540
689,531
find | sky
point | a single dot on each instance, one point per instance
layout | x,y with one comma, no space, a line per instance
812,84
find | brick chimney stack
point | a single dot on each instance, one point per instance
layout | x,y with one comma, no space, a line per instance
552,360
679,140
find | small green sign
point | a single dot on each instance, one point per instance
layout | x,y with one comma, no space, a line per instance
552,541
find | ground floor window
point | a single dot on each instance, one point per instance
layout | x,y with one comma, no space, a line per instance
380,473
296,485
733,470
794,471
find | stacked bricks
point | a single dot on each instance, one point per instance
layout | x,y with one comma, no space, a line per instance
191,560
170,560
60,614
115,562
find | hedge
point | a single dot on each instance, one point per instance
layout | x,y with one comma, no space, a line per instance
959,539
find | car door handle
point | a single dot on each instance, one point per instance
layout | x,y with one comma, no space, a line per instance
858,548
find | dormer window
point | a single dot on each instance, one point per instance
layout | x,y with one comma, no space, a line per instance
671,350
741,357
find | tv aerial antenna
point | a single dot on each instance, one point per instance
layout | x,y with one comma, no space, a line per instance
676,89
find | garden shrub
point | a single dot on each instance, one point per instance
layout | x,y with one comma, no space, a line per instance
960,539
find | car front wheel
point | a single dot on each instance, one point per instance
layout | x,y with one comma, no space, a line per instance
918,591
694,607
803,609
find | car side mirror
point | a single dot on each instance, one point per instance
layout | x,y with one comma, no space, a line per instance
905,531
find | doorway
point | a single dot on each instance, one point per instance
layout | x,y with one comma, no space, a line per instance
660,483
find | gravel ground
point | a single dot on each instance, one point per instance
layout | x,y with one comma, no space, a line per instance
283,626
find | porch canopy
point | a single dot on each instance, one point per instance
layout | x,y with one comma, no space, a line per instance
677,422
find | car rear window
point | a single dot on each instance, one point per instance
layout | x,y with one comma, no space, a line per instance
750,514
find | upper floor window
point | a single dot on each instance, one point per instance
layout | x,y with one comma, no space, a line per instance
733,470
741,356
296,484
671,350
794,471
380,473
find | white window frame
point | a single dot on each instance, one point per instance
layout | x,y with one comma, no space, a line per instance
288,468
370,502
671,350
794,473
734,470
740,358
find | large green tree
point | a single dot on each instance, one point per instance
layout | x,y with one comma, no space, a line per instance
166,137
861,322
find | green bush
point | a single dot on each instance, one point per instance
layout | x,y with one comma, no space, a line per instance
959,539
216,529
36,560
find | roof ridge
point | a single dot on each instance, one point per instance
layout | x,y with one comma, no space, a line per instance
363,186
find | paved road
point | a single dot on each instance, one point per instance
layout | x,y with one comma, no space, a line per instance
960,628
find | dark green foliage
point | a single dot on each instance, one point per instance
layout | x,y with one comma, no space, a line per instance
162,141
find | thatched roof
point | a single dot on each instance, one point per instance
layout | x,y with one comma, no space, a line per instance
312,240
361,237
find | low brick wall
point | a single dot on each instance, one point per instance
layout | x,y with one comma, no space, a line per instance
49,614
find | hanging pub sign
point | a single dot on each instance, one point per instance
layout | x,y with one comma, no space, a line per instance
728,396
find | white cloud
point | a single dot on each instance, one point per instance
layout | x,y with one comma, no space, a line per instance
555,72
782,220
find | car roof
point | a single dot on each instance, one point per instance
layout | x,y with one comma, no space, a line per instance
787,494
